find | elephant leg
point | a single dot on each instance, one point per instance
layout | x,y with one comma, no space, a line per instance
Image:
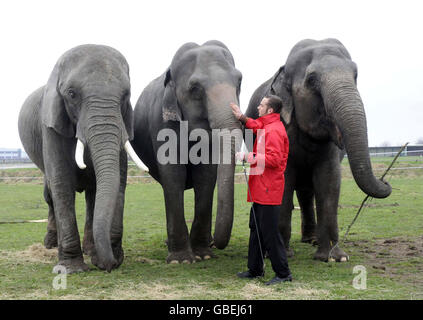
61,181
286,210
88,247
173,184
204,181
70,253
308,220
50,239
327,185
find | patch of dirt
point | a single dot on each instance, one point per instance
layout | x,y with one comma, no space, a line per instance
147,260
24,221
34,253
398,258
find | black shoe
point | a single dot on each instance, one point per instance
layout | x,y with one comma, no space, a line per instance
248,275
276,280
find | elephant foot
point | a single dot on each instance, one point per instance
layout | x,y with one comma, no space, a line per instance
50,239
321,254
74,265
309,238
185,256
203,253
336,254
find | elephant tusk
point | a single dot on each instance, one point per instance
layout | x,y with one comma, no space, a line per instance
134,157
79,155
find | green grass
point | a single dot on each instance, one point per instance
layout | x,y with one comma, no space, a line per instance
382,240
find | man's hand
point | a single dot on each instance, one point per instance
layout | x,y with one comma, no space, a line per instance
236,110
241,156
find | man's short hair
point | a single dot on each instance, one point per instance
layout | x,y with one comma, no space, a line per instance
274,102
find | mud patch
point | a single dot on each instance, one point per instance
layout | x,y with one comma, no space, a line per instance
399,258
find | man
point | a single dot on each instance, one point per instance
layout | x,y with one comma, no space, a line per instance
266,185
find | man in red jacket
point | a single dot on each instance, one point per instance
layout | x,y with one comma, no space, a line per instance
266,186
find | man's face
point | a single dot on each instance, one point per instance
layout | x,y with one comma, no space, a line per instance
263,107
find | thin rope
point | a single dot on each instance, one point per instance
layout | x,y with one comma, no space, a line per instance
365,200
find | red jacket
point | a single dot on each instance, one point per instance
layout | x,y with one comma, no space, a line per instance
268,160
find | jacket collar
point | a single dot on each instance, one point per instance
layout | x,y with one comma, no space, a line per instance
269,118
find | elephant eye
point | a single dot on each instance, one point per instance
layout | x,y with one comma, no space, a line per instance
71,94
196,92
311,80
126,95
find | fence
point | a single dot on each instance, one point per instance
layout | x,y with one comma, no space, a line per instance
418,160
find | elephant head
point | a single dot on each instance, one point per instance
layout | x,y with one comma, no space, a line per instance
200,84
318,86
87,97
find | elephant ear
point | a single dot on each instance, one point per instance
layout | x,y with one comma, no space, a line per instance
54,113
171,110
280,86
128,118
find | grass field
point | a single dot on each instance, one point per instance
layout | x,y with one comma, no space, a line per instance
387,239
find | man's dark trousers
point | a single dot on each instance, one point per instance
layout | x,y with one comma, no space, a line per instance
267,217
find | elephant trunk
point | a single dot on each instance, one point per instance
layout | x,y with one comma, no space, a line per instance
343,103
225,194
230,136
104,141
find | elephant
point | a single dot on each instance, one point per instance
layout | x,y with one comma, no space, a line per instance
77,129
324,117
192,95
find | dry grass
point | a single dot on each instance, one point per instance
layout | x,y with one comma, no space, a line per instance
34,253
157,289
147,260
160,291
301,291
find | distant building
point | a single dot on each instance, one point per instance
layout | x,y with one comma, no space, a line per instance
416,150
7,154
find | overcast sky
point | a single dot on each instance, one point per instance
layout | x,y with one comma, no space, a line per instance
385,40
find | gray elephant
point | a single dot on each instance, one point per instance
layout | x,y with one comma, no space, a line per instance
323,113
193,94
75,129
